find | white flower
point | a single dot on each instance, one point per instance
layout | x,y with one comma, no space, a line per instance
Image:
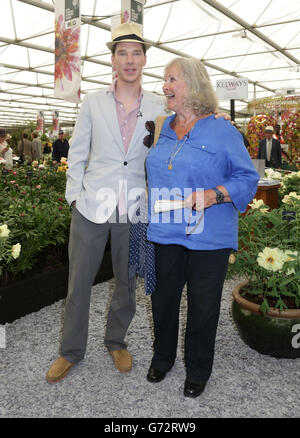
288,253
290,197
258,204
231,259
273,174
269,171
15,250
4,231
294,195
290,256
271,259
288,176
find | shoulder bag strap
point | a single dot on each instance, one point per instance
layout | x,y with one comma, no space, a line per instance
158,125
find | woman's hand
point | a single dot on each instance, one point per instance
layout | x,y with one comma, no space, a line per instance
199,200
205,198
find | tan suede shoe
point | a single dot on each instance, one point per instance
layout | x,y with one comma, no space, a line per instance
58,370
122,360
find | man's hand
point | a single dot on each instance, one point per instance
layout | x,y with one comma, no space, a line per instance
224,115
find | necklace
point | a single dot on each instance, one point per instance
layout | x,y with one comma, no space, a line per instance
174,152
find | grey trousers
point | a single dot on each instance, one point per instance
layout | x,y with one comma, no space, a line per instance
86,248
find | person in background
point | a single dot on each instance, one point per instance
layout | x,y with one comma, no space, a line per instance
277,134
36,147
60,148
202,160
25,148
5,150
270,149
47,147
246,142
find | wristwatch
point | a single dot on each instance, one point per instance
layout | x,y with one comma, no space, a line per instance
220,196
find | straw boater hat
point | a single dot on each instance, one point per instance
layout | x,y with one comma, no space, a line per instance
269,128
127,32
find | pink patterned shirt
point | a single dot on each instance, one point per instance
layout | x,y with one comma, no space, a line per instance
127,124
127,121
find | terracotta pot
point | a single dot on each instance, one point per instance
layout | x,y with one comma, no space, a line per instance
275,334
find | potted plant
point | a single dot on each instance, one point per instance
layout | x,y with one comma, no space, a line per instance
266,305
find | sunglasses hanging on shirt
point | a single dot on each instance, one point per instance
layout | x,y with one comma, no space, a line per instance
149,139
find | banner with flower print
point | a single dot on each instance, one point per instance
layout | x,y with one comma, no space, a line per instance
132,11
55,122
40,121
67,50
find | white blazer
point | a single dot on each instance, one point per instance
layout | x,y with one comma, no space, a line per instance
98,164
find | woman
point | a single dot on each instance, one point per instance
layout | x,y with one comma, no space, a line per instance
201,160
5,151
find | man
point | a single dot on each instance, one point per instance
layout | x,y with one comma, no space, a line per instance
60,148
36,147
25,148
106,161
270,149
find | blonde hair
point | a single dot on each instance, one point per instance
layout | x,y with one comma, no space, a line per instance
201,99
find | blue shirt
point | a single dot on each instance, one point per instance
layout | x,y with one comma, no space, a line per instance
213,154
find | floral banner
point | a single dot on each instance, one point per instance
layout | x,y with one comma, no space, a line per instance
132,10
55,122
67,50
40,121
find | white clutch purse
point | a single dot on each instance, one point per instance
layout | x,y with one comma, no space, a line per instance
163,205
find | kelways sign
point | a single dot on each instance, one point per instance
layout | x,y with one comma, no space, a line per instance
236,88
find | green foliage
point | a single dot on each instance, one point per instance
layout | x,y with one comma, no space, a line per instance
34,209
269,254
290,183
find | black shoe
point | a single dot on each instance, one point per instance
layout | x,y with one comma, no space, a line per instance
193,389
155,376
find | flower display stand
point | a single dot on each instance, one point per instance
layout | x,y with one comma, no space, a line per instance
32,294
269,194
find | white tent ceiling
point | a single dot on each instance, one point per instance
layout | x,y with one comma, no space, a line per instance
257,39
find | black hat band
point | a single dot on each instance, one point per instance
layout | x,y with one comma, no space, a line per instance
131,36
